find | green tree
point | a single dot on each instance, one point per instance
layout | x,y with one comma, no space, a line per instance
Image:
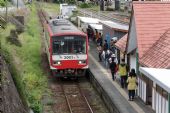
2,2
70,1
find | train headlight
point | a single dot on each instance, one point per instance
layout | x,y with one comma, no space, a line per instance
57,62
82,61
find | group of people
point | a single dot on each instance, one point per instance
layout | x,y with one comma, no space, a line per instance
107,54
127,79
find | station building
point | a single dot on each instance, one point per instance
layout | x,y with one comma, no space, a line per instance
148,52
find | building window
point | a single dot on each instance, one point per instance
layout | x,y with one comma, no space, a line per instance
165,94
162,92
159,89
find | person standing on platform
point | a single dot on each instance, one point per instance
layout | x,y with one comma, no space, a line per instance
123,71
113,66
131,81
97,35
99,48
106,52
112,46
105,46
108,55
99,40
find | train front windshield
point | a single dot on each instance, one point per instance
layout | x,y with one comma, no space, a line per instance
69,45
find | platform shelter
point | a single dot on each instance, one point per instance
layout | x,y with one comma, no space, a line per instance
83,22
158,87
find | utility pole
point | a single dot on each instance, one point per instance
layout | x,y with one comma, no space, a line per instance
17,4
101,5
117,4
6,14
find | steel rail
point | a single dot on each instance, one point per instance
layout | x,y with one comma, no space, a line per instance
102,16
68,103
1,89
116,14
91,110
81,92
41,14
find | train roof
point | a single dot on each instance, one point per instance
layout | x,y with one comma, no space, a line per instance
59,26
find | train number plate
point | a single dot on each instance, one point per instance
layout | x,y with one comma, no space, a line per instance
68,57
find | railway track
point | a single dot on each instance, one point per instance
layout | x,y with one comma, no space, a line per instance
76,100
75,97
1,92
42,15
69,96
123,19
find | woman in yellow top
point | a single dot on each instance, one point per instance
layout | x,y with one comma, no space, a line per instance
131,84
123,72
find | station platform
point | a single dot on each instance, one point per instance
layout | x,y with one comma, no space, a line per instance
113,89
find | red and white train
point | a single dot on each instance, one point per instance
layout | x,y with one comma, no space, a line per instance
66,48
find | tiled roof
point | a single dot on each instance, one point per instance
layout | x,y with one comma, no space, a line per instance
121,43
158,56
152,19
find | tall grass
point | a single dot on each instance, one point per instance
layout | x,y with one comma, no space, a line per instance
51,7
26,61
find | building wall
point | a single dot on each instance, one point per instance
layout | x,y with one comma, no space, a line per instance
159,101
142,89
159,97
119,34
112,33
132,42
133,60
107,31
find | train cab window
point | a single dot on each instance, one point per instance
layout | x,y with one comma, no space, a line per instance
56,44
69,45
79,46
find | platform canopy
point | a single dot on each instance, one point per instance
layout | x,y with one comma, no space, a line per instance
89,20
159,76
96,26
115,25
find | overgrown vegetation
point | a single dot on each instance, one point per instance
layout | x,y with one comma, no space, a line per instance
65,1
70,1
2,3
13,38
25,61
51,7
85,5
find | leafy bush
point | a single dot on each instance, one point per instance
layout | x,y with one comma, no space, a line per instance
85,5
26,62
34,85
70,1
2,3
109,9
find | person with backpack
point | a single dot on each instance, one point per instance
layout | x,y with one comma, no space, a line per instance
105,46
107,56
123,71
132,85
113,66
